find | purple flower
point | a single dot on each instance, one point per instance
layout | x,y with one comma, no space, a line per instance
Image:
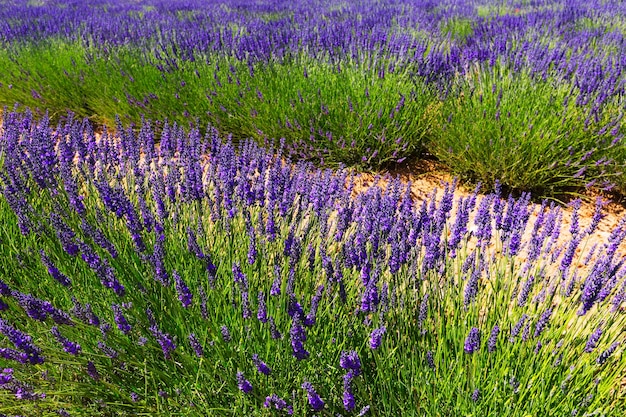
278,403
294,307
225,334
348,397
363,411
430,360
204,311
593,340
54,271
260,365
13,355
245,305
92,371
376,337
493,339
107,350
68,346
607,353
423,313
471,289
543,321
21,341
65,234
184,294
298,337
309,320
239,277
314,399
523,296
120,320
472,342
274,330
6,376
476,395
165,340
350,360
243,384
261,314
518,327
275,290
195,345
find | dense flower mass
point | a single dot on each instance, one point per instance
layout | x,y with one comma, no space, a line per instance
362,83
175,266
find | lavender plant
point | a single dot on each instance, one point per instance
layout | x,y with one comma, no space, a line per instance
365,84
366,303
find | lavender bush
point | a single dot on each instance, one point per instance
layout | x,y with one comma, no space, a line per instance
201,278
529,94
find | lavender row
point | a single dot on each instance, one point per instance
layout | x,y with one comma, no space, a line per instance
196,275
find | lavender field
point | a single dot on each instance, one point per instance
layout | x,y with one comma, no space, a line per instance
182,234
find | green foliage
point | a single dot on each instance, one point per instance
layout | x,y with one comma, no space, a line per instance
528,134
340,114
458,29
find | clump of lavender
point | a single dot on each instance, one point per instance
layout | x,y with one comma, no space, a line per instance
298,337
350,360
225,334
387,272
348,399
593,340
493,339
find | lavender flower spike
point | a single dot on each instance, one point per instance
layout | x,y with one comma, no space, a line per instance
493,339
315,401
472,342
195,345
350,360
243,384
260,365
376,337
593,340
184,294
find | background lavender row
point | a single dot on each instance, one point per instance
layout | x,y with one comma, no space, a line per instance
367,85
571,37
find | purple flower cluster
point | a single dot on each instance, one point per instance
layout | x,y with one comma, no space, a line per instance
315,401
376,337
184,294
68,346
23,342
472,342
298,337
120,320
278,403
260,365
243,384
